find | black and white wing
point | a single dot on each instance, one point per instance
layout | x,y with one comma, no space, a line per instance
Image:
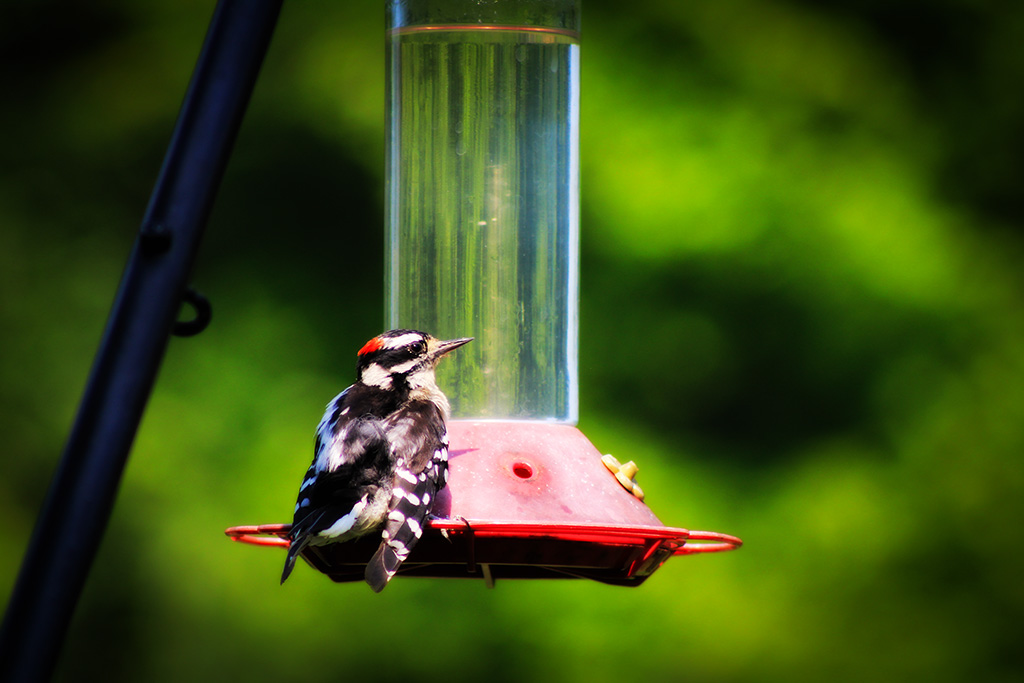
421,471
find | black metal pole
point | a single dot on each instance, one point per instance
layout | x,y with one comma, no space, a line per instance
81,495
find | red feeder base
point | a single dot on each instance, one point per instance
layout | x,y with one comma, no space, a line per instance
524,501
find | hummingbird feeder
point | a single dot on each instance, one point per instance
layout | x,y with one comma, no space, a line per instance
482,215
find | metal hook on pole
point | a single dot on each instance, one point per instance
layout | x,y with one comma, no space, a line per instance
200,321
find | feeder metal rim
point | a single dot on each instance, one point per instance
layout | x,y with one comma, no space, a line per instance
690,542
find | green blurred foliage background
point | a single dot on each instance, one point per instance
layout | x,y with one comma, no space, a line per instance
801,315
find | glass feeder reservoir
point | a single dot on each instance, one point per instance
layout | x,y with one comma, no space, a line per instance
482,197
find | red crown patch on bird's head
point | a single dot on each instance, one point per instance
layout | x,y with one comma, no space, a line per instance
370,346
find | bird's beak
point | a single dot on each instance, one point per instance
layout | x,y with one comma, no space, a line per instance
450,345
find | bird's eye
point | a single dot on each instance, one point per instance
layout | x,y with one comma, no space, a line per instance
419,347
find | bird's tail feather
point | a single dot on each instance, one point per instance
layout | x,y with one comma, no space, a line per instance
293,552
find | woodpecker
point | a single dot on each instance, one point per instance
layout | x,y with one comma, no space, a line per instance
380,456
